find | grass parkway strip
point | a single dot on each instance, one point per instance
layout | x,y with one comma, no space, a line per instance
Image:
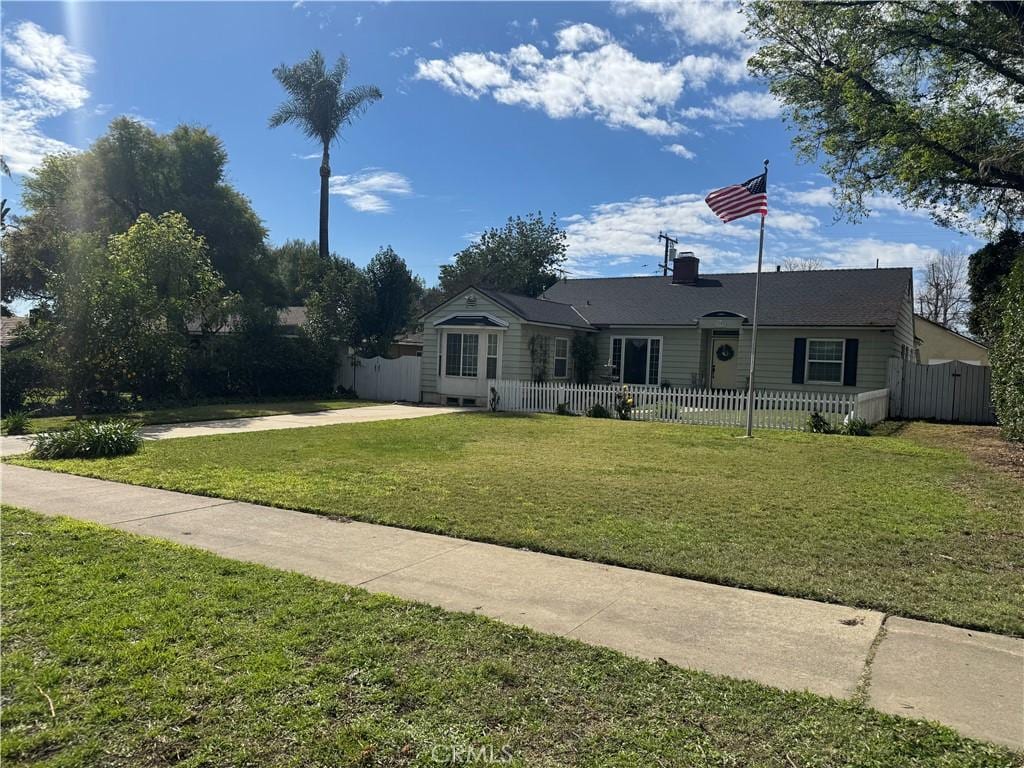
889,523
122,651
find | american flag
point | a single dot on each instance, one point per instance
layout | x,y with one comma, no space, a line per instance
739,200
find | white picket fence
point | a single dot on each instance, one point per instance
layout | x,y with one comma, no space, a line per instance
710,407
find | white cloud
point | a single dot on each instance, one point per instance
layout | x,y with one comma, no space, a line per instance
358,20
616,231
738,106
607,83
398,53
310,156
579,36
370,189
43,78
679,150
612,235
704,22
594,75
439,43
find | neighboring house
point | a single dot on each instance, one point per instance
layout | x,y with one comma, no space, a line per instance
938,344
831,330
289,319
9,327
407,345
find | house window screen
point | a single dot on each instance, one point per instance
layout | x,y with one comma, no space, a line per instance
654,363
453,355
492,355
470,353
825,361
561,358
616,359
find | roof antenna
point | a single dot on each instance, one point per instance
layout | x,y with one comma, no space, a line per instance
876,263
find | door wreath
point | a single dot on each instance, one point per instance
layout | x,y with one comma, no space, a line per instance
725,352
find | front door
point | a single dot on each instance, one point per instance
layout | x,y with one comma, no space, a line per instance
723,362
634,367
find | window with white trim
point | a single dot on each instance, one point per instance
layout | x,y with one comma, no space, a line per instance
561,369
461,354
825,361
636,359
492,355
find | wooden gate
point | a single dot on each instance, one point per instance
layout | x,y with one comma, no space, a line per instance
954,391
378,378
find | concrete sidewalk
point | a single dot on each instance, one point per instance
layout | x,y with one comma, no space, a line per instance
972,681
10,445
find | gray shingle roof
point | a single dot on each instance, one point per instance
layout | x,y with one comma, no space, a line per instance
856,297
537,310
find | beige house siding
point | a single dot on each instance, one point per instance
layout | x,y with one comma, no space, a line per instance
680,352
939,344
774,365
511,367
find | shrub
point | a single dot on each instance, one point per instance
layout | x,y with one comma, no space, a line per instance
854,426
624,404
818,423
22,371
562,409
1008,357
88,440
15,423
598,411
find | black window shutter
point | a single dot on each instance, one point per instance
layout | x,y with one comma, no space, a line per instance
850,367
799,355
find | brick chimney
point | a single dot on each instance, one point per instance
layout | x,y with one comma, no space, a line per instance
685,269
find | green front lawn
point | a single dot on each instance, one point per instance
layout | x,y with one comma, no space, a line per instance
158,655
881,522
207,412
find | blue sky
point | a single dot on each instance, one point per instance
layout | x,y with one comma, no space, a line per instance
619,118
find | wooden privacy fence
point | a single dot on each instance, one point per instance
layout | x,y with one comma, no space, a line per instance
377,378
711,407
953,391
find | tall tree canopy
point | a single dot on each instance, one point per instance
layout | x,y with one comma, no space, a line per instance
522,257
921,100
319,105
986,274
385,300
129,171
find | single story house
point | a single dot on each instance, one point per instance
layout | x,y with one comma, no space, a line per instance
821,330
938,344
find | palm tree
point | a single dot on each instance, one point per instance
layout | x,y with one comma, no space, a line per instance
320,106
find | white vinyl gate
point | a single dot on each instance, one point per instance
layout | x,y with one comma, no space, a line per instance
377,378
954,391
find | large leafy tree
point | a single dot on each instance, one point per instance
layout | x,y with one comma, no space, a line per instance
129,171
320,106
987,271
921,100
385,300
524,256
118,318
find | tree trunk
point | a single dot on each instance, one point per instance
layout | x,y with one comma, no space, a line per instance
325,173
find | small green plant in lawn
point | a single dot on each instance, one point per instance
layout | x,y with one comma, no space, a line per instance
854,426
88,440
624,404
818,423
15,423
598,411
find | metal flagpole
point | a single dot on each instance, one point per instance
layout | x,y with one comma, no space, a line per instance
753,332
